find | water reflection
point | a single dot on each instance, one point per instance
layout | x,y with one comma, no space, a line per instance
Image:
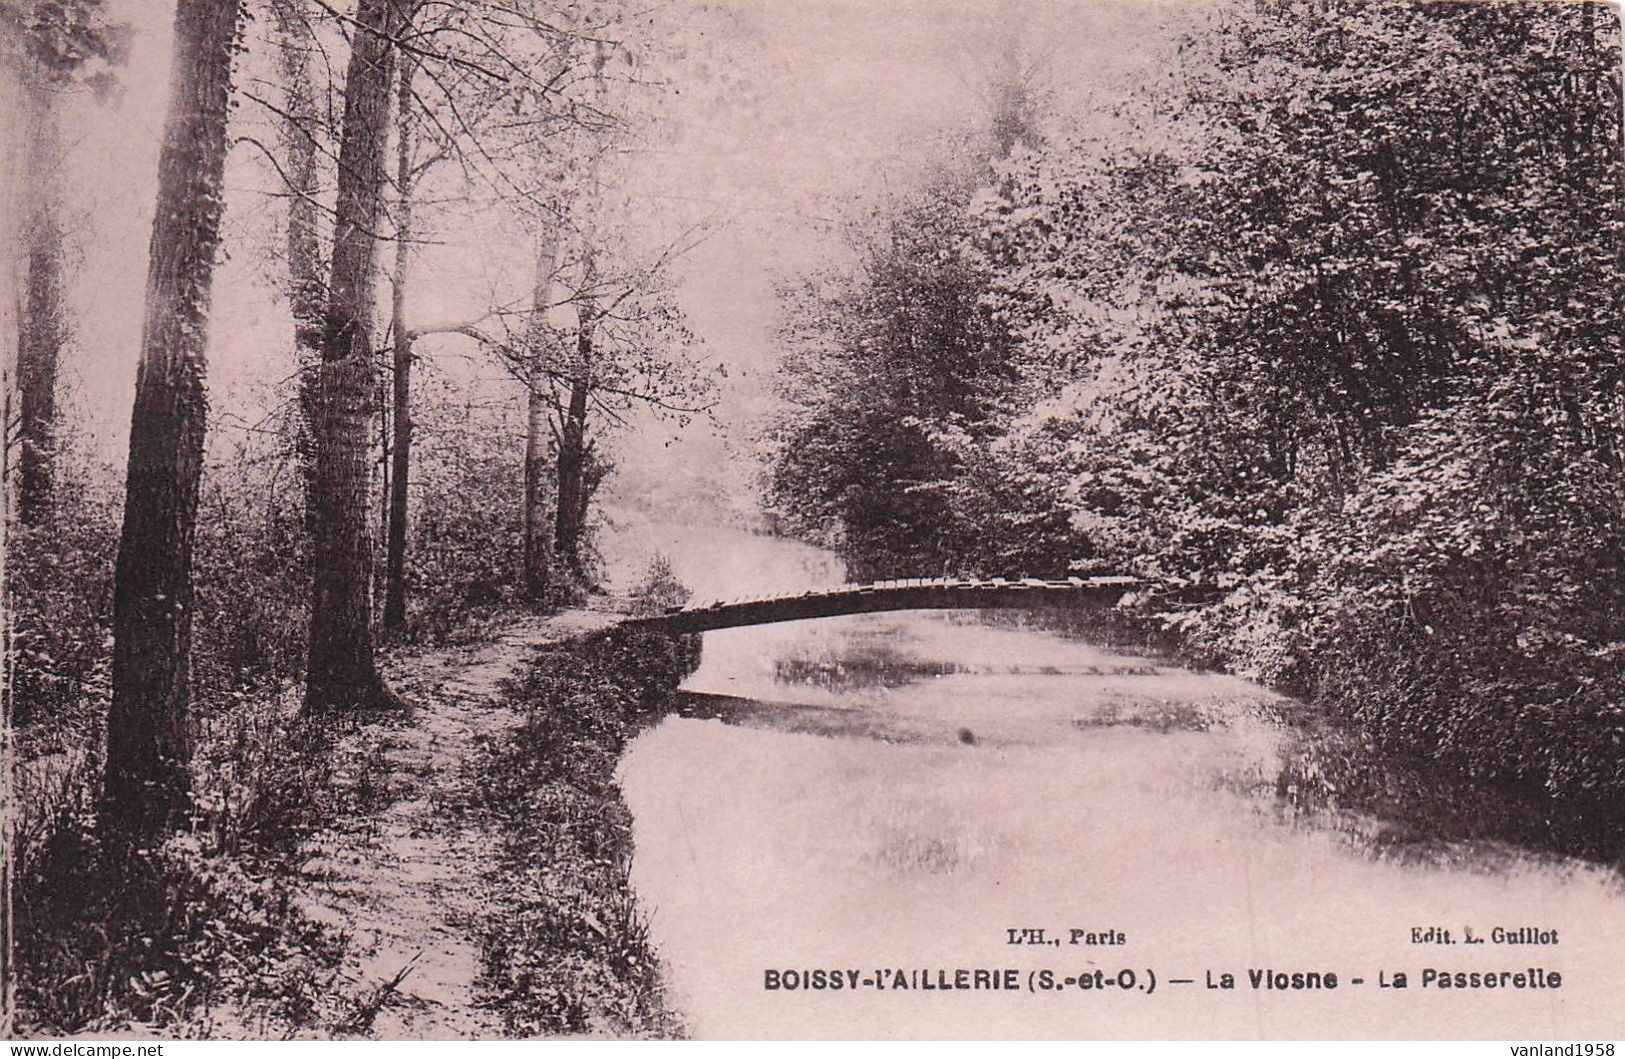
866,668
1160,716
872,665
1402,807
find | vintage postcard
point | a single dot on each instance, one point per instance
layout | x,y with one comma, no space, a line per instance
814,519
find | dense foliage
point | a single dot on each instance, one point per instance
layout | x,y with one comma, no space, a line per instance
59,601
880,364
465,555
1323,339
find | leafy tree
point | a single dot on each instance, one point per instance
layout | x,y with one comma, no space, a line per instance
880,363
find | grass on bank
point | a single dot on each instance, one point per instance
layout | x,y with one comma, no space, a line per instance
567,950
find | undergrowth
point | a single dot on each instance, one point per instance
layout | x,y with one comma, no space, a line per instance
170,941
201,936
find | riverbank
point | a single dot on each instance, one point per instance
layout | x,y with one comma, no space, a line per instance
565,948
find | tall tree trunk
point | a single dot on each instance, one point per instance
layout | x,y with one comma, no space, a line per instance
593,472
538,535
569,515
147,787
342,671
306,291
382,401
401,450
42,326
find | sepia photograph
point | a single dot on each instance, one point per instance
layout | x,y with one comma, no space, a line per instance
795,520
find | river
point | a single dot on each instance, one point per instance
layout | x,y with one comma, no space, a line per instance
899,792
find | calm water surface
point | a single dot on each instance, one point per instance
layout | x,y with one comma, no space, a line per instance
899,791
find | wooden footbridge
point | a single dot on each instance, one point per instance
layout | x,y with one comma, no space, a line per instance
923,594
